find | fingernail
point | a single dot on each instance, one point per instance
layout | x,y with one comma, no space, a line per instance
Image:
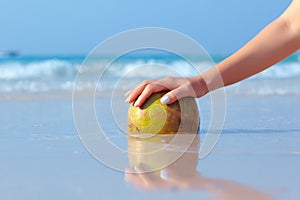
126,100
164,99
127,92
136,103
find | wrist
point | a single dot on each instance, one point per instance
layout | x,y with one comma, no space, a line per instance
199,85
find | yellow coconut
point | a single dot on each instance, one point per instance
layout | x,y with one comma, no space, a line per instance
156,118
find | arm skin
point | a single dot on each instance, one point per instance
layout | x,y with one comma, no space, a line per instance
275,42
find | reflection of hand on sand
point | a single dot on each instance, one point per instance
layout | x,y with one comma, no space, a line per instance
180,174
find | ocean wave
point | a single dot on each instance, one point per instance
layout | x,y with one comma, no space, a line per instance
50,75
285,70
37,70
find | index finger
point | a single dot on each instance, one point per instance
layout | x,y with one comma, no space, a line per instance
136,91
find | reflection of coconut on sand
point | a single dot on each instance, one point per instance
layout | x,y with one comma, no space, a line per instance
155,153
181,173
156,118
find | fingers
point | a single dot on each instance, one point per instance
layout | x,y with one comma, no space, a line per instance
180,87
184,89
135,92
143,96
127,93
172,96
141,92
148,90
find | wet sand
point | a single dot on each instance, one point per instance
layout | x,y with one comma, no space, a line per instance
258,154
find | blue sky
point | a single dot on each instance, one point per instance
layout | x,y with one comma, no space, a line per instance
75,27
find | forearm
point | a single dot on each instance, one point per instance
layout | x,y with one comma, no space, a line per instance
273,44
277,41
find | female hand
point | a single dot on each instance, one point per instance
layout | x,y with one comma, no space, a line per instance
177,87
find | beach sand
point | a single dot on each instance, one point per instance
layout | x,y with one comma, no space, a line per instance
42,157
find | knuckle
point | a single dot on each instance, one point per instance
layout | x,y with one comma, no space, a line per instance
145,82
149,87
168,78
174,94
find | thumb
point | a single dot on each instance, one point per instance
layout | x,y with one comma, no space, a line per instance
171,96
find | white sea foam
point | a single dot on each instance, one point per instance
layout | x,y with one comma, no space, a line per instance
47,75
37,70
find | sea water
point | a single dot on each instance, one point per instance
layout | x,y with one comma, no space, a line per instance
36,74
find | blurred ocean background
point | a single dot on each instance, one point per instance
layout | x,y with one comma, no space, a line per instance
56,74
